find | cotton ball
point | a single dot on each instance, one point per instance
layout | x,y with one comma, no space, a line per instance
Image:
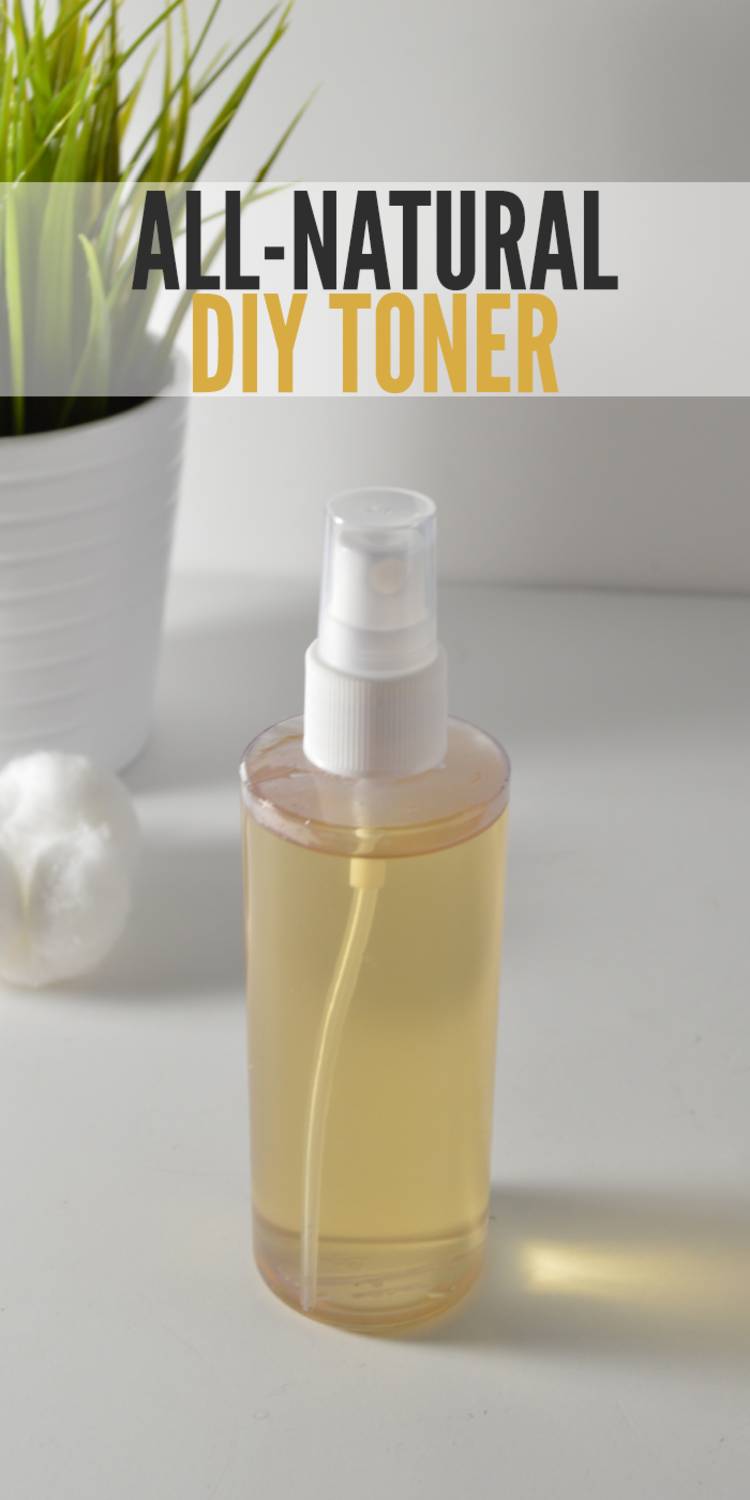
78,903
68,844
11,905
46,793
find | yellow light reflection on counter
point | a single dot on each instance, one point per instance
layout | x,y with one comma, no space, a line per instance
669,1277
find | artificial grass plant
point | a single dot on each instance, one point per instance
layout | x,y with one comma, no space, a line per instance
69,90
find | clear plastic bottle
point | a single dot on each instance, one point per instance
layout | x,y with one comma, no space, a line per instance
374,915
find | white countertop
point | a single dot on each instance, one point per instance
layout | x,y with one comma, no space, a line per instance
607,1352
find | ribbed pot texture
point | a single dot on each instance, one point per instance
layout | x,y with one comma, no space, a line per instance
86,524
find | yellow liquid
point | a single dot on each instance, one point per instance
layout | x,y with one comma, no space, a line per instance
404,1150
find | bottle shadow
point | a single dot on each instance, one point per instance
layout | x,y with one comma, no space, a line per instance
184,938
642,1274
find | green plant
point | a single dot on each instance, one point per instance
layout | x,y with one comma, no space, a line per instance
68,95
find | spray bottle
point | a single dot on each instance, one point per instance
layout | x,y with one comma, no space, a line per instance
374,854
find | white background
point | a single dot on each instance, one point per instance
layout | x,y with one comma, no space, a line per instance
612,492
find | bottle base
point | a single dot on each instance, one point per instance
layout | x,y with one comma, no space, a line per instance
373,1286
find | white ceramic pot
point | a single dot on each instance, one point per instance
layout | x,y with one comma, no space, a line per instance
86,523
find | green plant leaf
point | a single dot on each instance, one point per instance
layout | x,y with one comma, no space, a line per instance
194,55
6,104
174,154
39,65
14,308
157,172
70,12
225,61
95,366
200,159
20,32
67,102
130,101
124,57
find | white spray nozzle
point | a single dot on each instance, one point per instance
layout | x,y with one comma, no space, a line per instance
375,699
378,609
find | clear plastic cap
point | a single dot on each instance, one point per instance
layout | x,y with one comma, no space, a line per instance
378,603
